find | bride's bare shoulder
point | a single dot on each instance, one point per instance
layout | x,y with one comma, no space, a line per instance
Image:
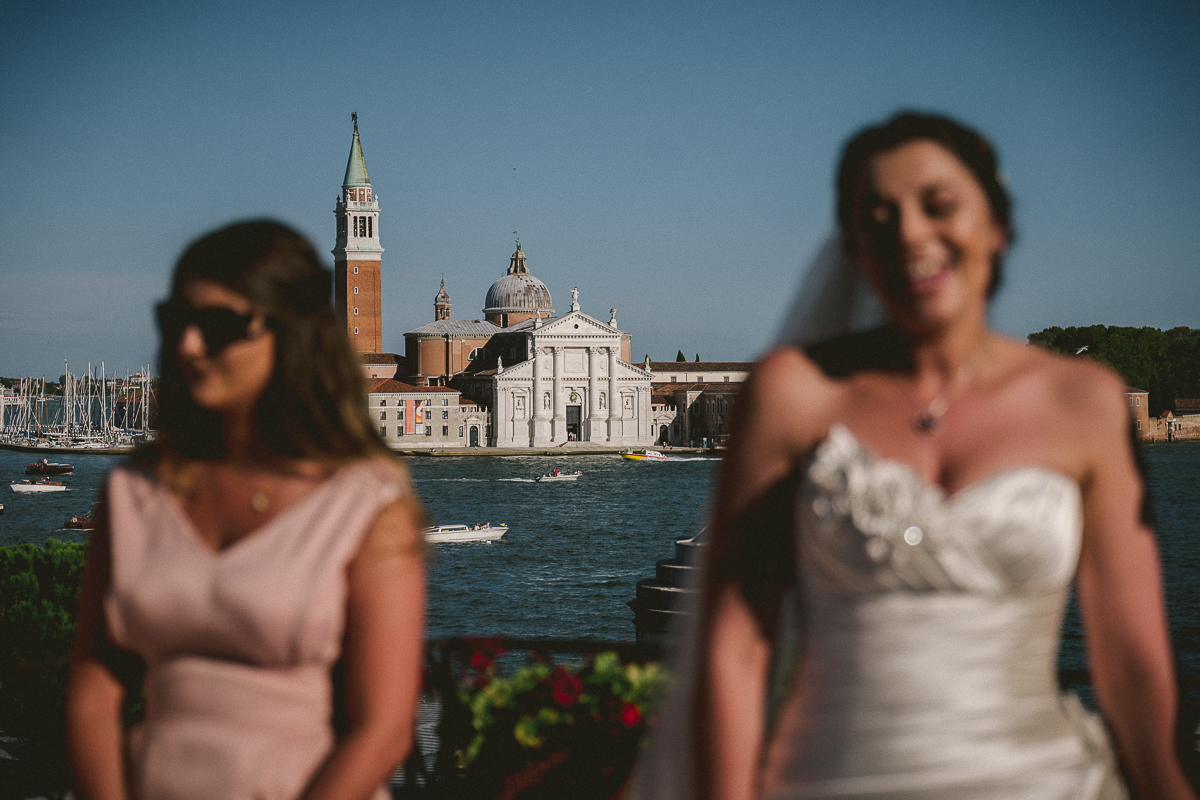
1079,388
787,374
790,393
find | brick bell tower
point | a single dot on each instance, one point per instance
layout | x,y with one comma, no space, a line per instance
357,255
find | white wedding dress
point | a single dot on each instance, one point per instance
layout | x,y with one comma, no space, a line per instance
929,628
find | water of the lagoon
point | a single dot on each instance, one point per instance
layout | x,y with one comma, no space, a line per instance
575,551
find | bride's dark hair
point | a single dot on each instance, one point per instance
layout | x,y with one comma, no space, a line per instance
315,404
970,146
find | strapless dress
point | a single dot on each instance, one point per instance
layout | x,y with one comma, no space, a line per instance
929,628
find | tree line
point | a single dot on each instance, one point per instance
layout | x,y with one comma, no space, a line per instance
1164,363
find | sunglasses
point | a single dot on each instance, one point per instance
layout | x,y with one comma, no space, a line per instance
220,327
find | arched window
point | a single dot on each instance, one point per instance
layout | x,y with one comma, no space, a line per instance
356,331
478,352
356,290
356,270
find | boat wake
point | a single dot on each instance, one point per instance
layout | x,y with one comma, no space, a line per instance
517,480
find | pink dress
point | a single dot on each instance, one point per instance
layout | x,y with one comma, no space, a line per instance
238,644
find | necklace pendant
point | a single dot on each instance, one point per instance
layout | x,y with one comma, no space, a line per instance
926,422
259,501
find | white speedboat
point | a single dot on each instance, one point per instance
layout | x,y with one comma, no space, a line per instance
643,455
559,476
485,532
37,486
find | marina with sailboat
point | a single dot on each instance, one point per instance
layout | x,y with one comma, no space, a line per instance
90,413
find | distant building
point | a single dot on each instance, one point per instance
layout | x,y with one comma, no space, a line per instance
425,416
693,401
546,379
382,365
1139,408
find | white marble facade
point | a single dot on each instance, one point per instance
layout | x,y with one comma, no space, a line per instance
574,386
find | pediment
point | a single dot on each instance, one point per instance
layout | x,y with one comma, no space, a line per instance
626,371
521,370
565,326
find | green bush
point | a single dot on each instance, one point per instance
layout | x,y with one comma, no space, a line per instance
39,590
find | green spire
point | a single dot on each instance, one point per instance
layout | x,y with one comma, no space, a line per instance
356,167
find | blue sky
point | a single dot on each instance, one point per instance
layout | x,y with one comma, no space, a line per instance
673,160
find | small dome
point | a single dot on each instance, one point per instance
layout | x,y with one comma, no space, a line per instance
518,291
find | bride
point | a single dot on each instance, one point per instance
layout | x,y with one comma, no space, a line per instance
950,484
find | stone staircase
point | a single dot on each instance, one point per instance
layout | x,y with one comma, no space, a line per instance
663,600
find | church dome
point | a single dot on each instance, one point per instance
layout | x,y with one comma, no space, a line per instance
518,292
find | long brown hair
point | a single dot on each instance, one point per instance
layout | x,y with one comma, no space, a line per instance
315,403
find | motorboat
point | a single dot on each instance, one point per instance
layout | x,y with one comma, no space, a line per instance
484,532
37,486
643,455
559,476
82,522
48,467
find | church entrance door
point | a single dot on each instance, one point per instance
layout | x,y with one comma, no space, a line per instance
474,436
574,416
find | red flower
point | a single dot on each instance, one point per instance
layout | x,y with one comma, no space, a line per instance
566,686
480,661
630,715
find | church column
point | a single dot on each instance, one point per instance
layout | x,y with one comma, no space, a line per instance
538,415
593,415
558,432
501,416
614,402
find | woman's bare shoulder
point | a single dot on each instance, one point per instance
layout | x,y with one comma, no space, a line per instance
1075,381
1080,393
791,397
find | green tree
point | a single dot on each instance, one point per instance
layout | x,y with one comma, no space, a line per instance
1164,363
680,356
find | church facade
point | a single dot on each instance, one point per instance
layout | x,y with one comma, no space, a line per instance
548,380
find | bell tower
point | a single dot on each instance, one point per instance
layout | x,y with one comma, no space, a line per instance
357,255
441,304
